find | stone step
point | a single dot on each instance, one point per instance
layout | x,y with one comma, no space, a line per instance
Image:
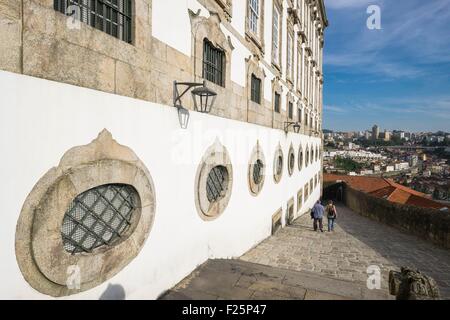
237,279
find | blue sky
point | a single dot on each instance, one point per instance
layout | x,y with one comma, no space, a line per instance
397,77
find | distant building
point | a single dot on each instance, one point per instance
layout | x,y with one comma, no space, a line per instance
375,132
413,160
401,166
387,189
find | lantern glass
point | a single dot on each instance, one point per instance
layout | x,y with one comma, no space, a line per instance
204,99
183,117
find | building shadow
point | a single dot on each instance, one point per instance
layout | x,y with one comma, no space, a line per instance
398,247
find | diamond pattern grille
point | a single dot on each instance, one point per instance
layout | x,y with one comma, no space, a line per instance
98,216
216,183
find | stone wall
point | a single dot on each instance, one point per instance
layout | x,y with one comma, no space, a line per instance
429,224
35,40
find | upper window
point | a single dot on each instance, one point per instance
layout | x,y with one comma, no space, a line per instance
276,35
290,110
255,89
299,115
110,16
253,6
276,104
213,63
289,56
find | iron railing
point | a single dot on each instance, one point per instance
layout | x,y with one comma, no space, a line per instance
213,63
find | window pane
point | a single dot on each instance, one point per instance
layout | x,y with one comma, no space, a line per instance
213,63
111,17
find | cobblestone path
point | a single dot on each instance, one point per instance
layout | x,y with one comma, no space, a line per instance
345,254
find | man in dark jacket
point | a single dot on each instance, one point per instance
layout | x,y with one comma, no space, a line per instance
318,211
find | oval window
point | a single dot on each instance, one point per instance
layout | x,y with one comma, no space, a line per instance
98,217
216,183
258,171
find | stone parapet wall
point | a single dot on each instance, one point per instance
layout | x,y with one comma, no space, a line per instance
429,224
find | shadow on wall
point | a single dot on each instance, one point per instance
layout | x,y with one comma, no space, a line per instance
113,292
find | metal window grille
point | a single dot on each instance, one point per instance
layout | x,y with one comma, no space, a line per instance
213,63
255,89
98,216
258,171
290,110
300,159
216,183
113,17
291,162
279,165
253,15
277,102
307,158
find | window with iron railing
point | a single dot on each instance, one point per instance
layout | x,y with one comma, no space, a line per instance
213,63
290,110
276,104
255,89
113,17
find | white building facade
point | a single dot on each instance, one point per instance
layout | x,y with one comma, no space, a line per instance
108,184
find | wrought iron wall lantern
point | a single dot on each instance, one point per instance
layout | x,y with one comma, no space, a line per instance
203,97
296,126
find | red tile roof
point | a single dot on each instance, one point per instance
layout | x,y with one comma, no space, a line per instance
386,189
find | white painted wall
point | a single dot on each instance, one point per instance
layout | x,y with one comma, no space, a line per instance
41,119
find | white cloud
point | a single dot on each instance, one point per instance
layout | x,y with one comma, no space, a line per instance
343,4
335,109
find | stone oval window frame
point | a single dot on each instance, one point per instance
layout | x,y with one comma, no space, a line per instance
291,160
215,155
40,254
256,155
277,155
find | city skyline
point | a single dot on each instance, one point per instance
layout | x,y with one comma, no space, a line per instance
392,76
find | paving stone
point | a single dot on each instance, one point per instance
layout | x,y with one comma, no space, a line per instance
356,243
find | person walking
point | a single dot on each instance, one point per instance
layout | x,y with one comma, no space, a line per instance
331,215
318,211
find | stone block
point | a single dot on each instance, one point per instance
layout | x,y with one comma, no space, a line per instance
132,82
58,60
10,44
10,8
